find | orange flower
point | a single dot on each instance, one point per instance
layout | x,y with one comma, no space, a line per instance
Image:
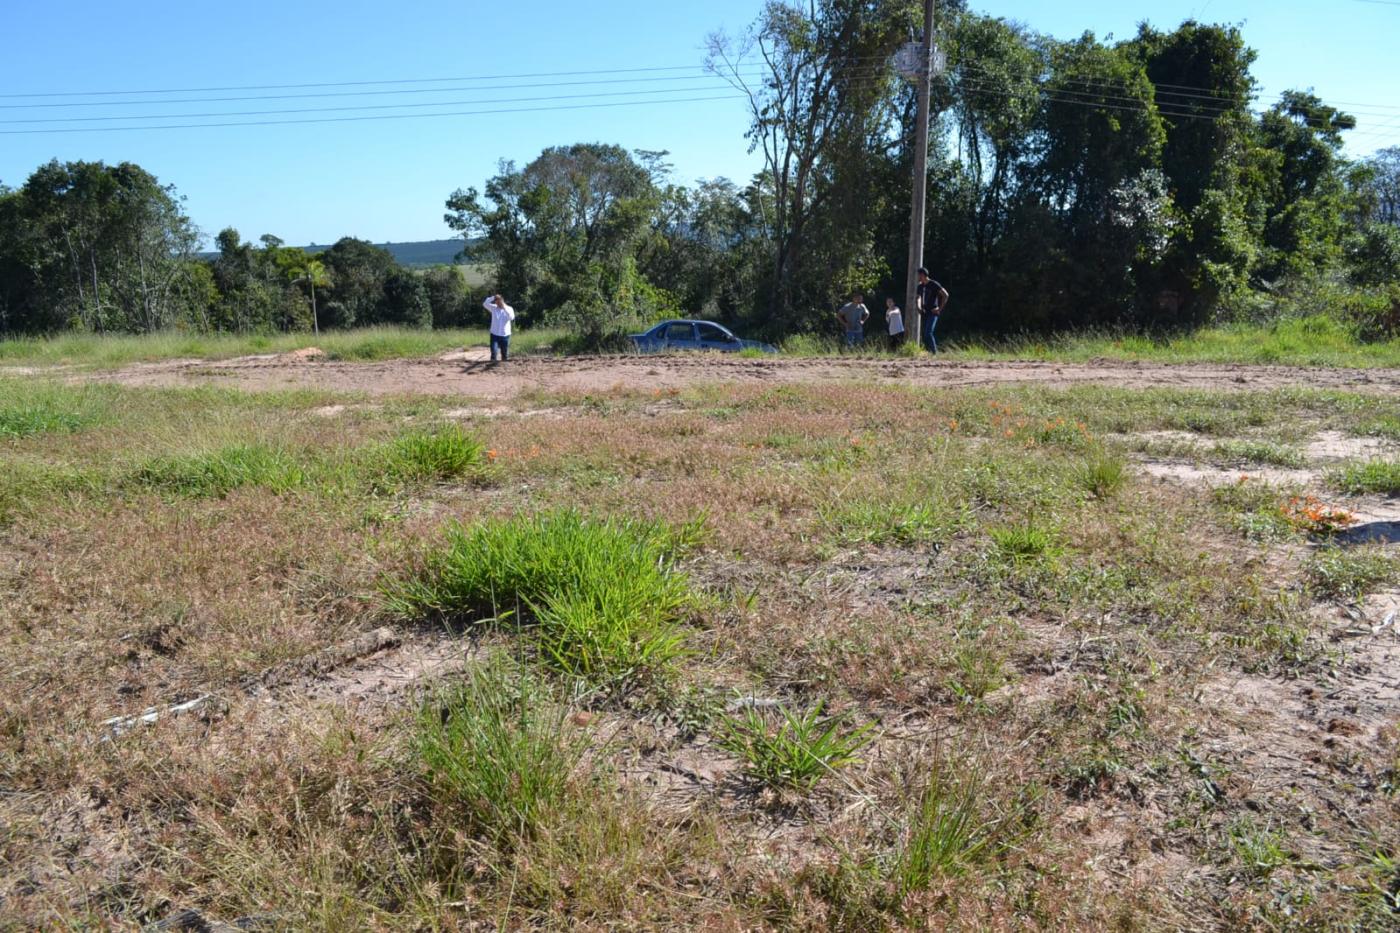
491,455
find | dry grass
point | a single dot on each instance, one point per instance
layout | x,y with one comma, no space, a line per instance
1083,690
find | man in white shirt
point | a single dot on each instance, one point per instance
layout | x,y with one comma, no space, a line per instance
501,316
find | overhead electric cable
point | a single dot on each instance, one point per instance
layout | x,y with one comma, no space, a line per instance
386,116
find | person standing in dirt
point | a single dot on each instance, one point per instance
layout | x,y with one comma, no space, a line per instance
895,319
853,315
501,316
932,298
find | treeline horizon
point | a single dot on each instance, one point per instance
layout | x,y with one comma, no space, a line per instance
1072,185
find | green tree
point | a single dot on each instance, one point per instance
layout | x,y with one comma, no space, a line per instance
312,272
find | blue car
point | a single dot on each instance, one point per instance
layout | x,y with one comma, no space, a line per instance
694,335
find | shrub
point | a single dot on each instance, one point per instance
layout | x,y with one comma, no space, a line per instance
795,753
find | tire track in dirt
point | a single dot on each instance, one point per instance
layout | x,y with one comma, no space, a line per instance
469,373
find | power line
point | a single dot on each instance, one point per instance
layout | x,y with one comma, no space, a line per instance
255,113
431,90
387,116
274,87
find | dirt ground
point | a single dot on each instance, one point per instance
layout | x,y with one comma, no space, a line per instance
471,373
1261,752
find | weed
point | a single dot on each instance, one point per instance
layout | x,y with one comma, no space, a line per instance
496,749
1379,476
798,752
1101,476
886,522
953,827
216,474
1256,509
1352,573
1024,542
1310,515
1260,851
604,593
1257,452
445,453
41,413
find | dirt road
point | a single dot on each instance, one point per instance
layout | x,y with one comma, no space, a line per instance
469,373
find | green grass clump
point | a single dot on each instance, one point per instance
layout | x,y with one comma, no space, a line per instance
1024,542
1340,573
497,749
888,522
947,831
217,473
420,456
797,752
1257,452
27,408
1101,476
604,593
1382,476
1255,509
25,419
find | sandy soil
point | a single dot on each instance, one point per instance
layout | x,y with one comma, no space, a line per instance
471,373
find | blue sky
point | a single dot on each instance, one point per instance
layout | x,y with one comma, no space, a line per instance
386,180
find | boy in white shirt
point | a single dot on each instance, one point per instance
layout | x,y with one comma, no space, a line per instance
501,316
895,317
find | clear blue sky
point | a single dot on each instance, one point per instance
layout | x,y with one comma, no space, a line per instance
386,180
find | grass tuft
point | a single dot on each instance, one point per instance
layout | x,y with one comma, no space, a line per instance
1377,476
1102,476
420,456
797,752
603,592
217,473
1338,573
496,750
1024,542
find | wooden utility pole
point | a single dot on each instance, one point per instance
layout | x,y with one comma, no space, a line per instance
916,216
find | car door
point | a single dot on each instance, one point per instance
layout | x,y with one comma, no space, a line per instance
713,337
680,335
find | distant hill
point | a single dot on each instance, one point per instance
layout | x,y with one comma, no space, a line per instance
422,253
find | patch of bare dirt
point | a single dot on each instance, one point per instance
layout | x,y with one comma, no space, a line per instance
472,374
1199,474
1334,446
